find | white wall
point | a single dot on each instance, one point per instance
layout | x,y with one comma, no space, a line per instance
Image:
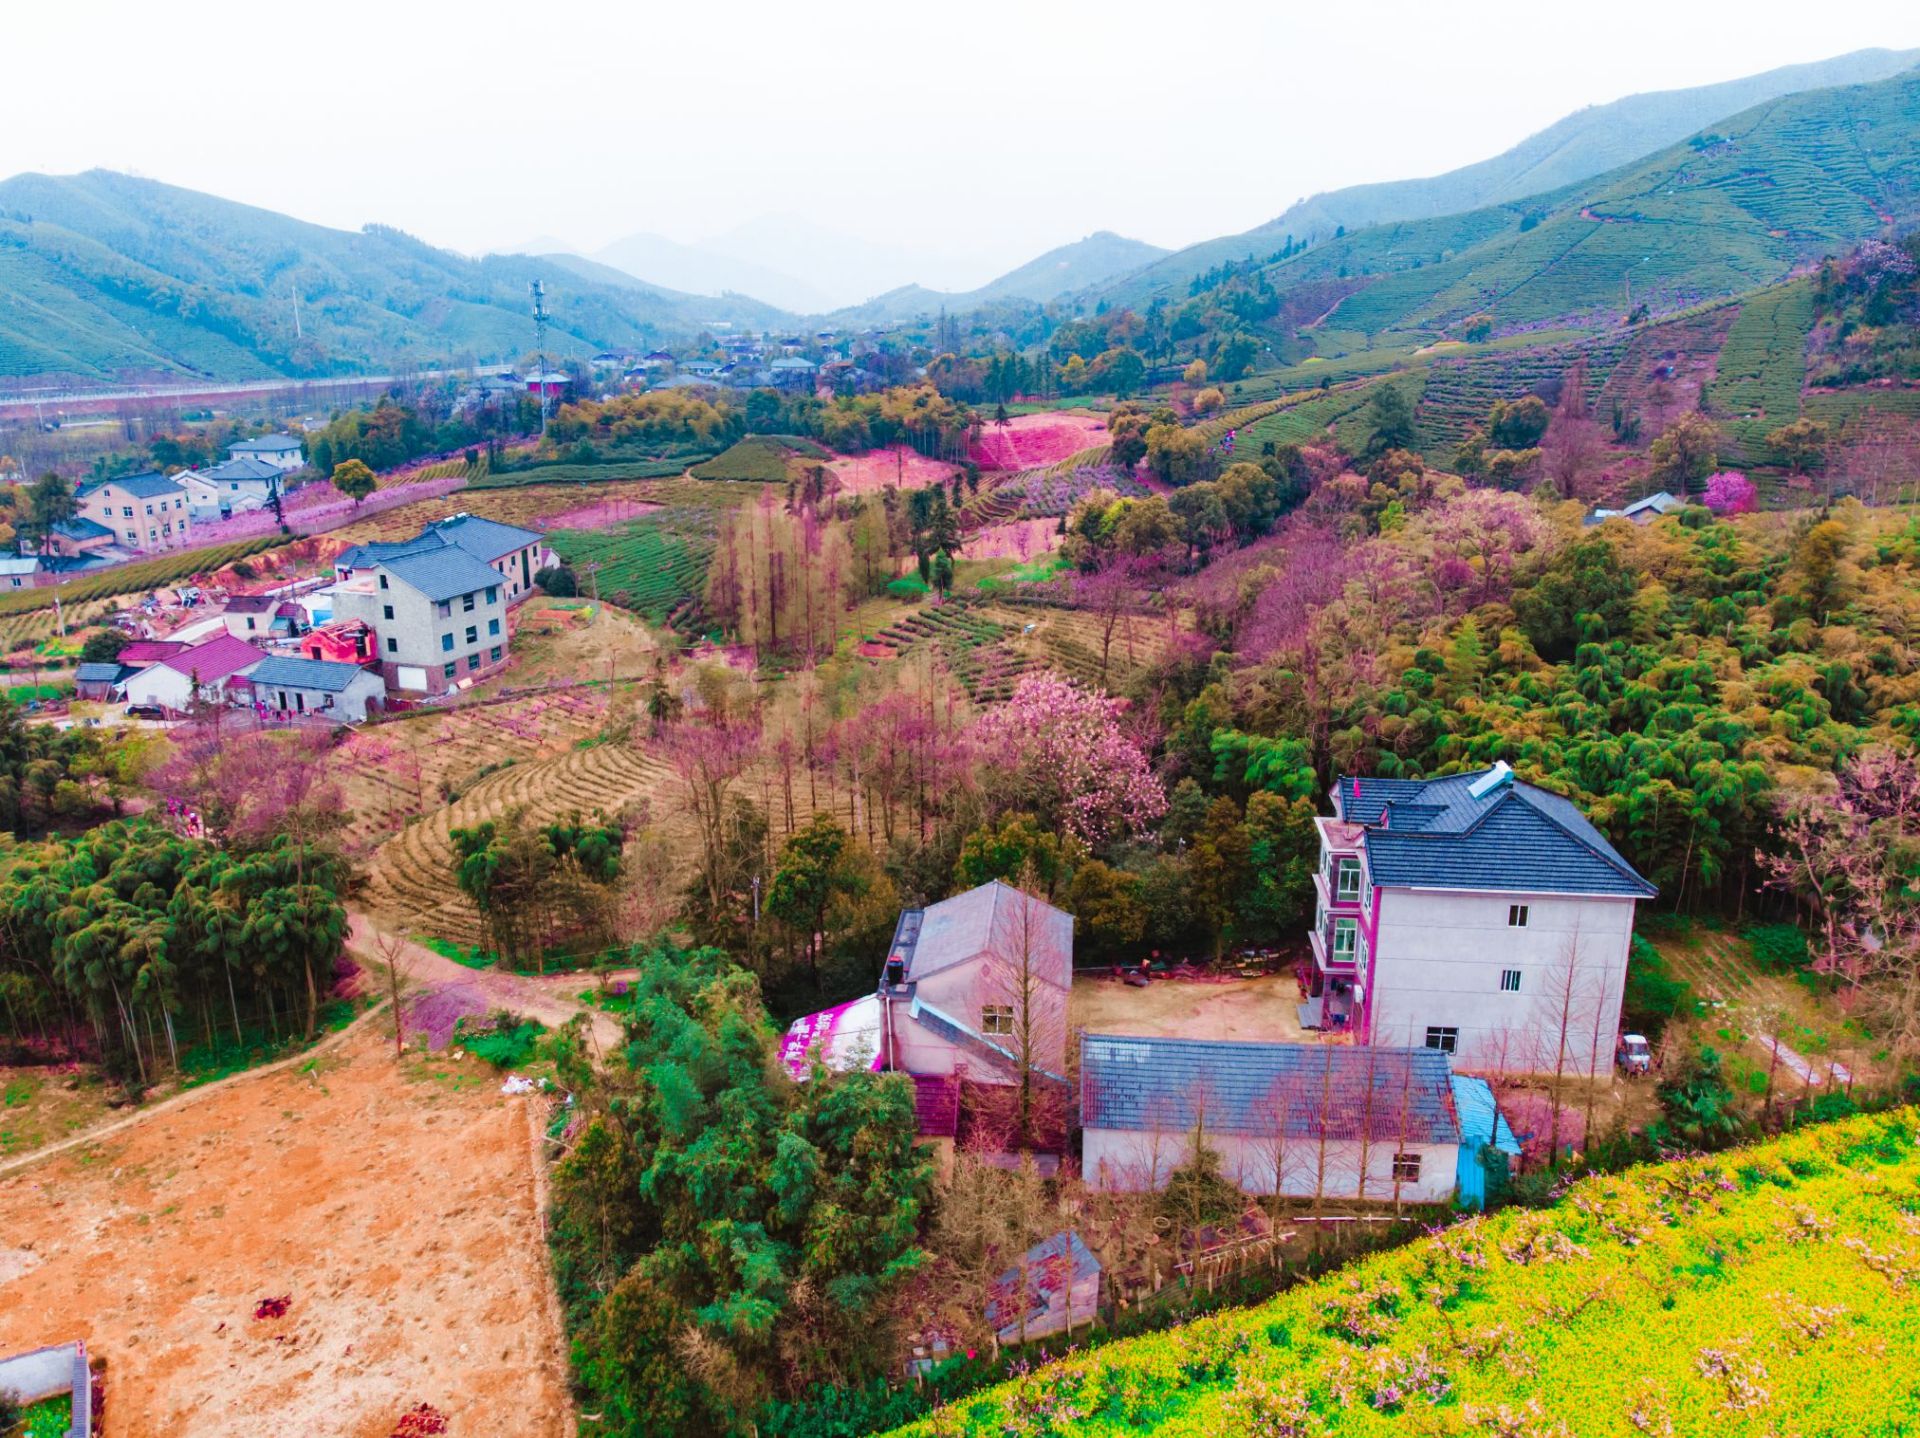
1130,1161
157,684
1439,959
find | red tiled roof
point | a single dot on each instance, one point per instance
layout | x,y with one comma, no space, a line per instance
936,1105
216,659
150,651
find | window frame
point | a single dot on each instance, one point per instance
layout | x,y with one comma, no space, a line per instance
1406,1168
1444,1038
1517,915
1509,981
993,1016
1344,866
1351,950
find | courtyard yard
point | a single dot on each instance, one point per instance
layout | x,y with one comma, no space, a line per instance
1264,1009
391,1206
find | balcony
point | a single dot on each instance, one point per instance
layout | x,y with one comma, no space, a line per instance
1324,955
1329,897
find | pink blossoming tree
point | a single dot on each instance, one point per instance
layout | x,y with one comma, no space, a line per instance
1059,750
1729,492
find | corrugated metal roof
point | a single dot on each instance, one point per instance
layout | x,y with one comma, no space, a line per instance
1481,1121
1308,1091
1518,838
323,674
444,573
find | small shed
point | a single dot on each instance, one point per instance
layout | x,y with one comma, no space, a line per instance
1487,1144
343,692
102,680
1055,1286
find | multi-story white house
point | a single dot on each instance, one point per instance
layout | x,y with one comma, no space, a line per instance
1473,914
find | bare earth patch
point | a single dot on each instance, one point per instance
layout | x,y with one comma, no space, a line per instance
898,466
394,1207
1262,1009
1030,440
1021,539
597,516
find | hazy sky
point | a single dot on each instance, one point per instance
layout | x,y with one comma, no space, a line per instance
981,130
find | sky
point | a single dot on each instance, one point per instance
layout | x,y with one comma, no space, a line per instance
973,135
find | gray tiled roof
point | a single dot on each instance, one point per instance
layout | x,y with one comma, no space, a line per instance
1518,838
485,539
244,469
444,573
995,919
102,673
1308,1091
265,444
141,486
379,551
81,528
290,673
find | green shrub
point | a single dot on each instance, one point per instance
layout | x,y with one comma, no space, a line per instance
910,586
499,1040
1653,995
1779,948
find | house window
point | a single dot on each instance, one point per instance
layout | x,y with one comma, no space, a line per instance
996,1019
1510,981
1516,916
250,625
473,662
1347,886
446,643
1406,1168
495,654
473,634
1346,938
383,581
149,509
387,609
467,602
126,511
449,670
1447,1040
393,646
444,609
493,627
493,593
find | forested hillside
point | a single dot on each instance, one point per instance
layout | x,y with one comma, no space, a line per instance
106,276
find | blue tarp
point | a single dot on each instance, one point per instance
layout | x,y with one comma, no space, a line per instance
1482,1125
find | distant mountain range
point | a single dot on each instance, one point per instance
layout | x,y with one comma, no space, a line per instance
106,277
1586,143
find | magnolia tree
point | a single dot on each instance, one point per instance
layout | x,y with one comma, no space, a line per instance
1058,751
1729,492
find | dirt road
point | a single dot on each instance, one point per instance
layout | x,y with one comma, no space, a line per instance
521,994
392,1204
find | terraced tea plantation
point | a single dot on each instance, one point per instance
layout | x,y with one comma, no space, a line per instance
655,564
975,648
1045,494
1763,366
1741,1294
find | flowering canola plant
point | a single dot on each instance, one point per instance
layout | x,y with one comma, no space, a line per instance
1770,1290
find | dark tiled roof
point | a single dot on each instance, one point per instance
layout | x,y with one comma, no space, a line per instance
265,444
251,604
244,468
141,486
1335,1091
485,539
150,651
1514,837
78,528
444,573
288,673
108,673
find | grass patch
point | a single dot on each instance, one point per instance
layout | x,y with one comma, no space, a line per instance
212,1060
471,956
759,459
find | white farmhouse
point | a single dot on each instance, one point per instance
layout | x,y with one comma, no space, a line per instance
282,451
1474,915
205,671
1305,1120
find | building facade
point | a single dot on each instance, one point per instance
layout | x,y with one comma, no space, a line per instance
282,451
297,688
145,513
439,617
1474,915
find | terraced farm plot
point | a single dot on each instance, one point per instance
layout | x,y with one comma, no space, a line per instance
411,880
760,459
1068,641
1045,494
1763,365
1670,362
393,772
140,577
1459,393
655,565
976,649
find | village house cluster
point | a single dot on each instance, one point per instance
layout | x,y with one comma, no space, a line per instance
1467,928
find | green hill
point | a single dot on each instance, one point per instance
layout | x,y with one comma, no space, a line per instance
1062,270
107,277
1742,1294
1770,189
1586,143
